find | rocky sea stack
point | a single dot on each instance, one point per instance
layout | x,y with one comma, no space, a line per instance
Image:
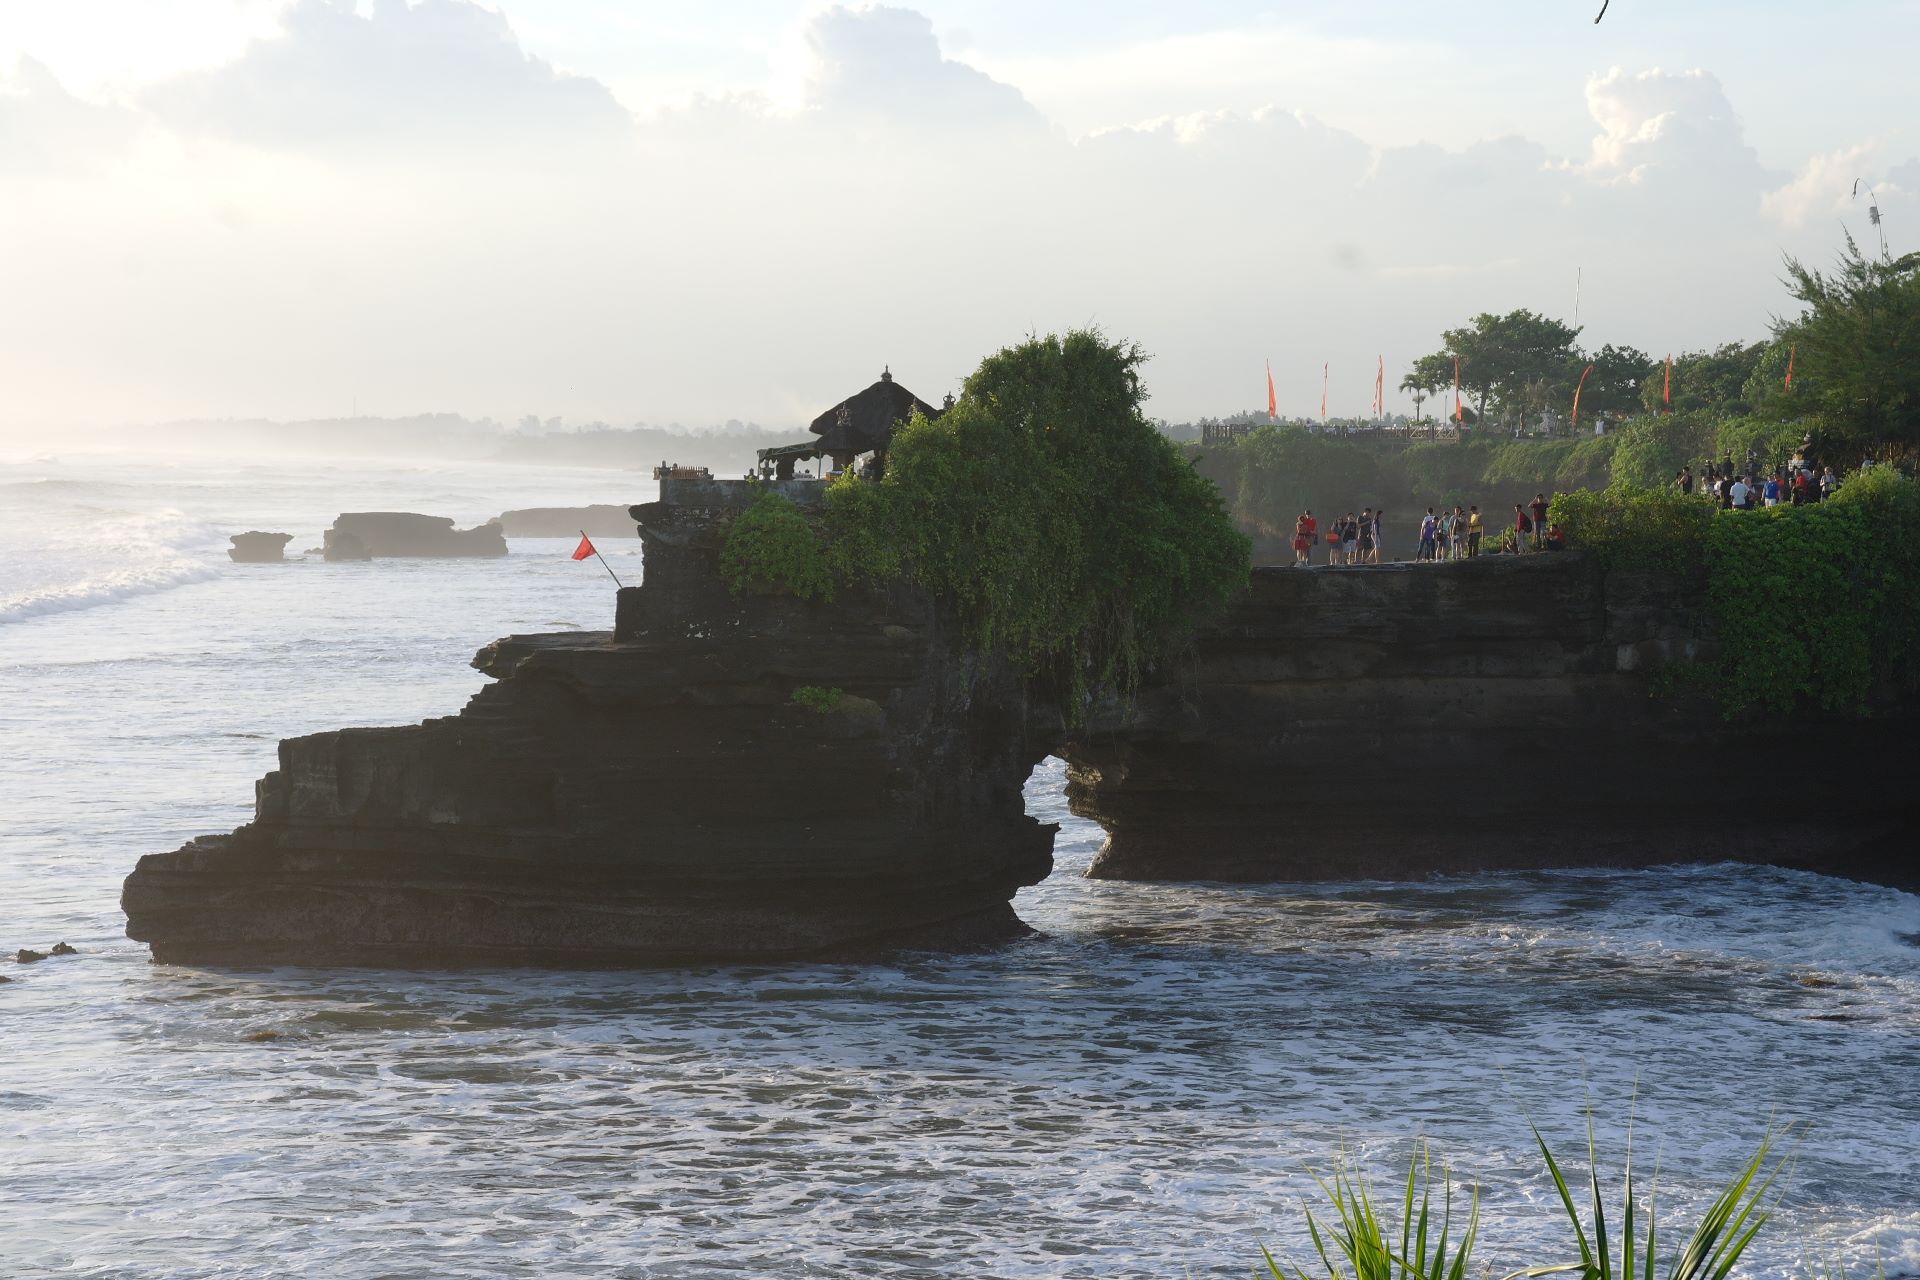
370,535
719,778
256,547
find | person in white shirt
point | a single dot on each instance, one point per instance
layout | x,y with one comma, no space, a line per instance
1739,494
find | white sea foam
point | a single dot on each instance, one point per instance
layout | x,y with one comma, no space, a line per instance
80,556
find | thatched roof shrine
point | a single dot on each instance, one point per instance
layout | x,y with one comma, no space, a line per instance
864,423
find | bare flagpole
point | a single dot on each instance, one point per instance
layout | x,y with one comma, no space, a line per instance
603,561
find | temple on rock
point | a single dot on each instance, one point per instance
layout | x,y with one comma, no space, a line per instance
860,426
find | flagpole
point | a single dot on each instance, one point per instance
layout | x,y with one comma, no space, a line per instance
603,562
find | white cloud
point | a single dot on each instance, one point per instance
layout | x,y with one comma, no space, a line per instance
45,129
433,72
313,221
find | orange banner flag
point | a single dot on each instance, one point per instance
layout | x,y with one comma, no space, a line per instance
1273,405
1323,391
1791,353
1576,396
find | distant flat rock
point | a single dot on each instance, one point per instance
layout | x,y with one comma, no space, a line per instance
256,547
373,535
601,520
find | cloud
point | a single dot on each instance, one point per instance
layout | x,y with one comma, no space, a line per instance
44,129
316,222
885,63
1822,187
1664,128
435,72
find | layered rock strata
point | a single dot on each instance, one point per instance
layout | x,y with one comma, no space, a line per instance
367,535
1508,712
651,795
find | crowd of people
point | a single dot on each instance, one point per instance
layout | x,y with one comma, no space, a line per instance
1799,482
1456,533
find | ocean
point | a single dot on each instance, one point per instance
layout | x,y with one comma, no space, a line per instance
1145,1087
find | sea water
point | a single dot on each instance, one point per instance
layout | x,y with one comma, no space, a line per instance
1143,1088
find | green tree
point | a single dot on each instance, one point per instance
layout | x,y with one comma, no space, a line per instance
1519,360
1617,382
1859,345
1715,381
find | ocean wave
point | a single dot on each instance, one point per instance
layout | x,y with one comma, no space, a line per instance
104,561
107,588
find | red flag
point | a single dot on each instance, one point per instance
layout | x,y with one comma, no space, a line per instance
1380,390
585,548
1792,351
1576,397
1456,390
1273,405
1666,395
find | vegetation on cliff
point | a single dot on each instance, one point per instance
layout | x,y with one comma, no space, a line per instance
1813,605
1853,352
1044,508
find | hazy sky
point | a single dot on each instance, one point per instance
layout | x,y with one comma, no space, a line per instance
742,208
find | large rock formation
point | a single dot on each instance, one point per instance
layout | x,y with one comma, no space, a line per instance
1503,712
602,520
363,535
256,547
759,777
656,794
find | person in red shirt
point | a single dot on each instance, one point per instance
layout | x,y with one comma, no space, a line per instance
1538,510
1304,530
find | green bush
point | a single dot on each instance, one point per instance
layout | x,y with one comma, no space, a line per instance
1816,603
771,547
1634,527
1043,508
1813,605
1653,447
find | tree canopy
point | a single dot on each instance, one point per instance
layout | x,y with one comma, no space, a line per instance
1062,529
1857,347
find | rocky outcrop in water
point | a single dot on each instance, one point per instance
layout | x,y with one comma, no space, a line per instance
602,520
763,777
1507,712
256,547
370,535
654,794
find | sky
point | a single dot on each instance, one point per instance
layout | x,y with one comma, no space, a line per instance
680,211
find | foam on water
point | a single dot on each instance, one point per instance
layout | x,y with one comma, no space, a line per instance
1139,1090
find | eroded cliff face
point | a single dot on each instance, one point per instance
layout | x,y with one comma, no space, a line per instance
656,794
1507,712
643,796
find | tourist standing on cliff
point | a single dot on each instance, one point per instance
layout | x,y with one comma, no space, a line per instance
1303,534
1427,529
1475,527
1366,531
1522,529
1684,481
1539,513
1379,533
1333,541
1461,529
1737,494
